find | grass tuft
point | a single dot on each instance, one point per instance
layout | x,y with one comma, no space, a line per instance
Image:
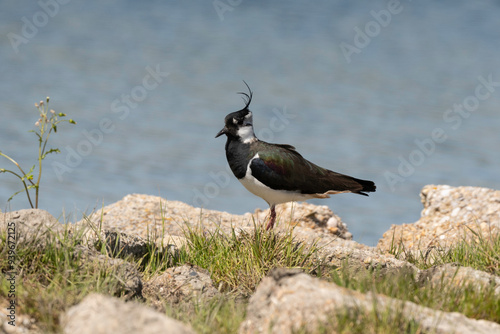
481,252
50,279
238,262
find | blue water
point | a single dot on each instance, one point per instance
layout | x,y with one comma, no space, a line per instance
358,111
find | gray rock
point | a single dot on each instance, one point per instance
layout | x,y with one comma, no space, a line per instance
451,275
464,203
141,215
360,260
24,324
31,225
309,216
130,283
179,284
123,245
450,214
138,214
98,314
286,302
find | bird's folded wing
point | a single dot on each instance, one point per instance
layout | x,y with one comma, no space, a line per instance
283,168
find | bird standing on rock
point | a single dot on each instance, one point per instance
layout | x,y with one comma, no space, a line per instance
278,173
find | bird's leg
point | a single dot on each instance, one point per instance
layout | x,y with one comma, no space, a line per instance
272,218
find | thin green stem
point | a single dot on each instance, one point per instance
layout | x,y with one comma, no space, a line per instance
15,163
45,142
37,186
41,150
24,183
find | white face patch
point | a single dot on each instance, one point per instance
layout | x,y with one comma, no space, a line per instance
246,134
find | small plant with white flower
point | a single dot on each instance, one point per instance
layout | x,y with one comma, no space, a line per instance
46,124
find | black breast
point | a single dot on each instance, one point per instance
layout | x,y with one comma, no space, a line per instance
238,155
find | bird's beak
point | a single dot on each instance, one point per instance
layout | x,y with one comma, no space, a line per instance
221,132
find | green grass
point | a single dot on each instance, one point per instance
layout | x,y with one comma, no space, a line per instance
218,315
481,252
466,299
379,321
51,280
239,261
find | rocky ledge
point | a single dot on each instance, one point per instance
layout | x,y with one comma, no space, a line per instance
450,214
151,216
287,300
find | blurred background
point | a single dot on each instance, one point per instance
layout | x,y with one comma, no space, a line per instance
358,87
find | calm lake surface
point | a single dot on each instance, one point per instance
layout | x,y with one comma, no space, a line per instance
404,93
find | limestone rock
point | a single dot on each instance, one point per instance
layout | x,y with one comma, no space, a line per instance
142,214
358,260
310,216
32,225
173,240
286,302
451,275
98,314
448,216
179,284
24,324
462,203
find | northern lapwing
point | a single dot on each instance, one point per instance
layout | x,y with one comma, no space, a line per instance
278,173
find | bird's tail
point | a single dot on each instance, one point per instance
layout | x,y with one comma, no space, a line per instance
367,186
346,183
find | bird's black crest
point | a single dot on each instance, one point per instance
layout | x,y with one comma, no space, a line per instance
247,97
